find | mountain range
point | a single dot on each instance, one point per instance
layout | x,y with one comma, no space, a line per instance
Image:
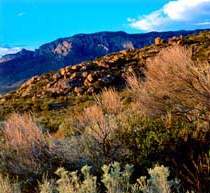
16,68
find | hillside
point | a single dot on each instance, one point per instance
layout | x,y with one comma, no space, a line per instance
73,86
16,68
98,126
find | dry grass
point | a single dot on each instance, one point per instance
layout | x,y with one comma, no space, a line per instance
174,83
97,118
25,149
196,172
21,131
6,186
110,101
97,123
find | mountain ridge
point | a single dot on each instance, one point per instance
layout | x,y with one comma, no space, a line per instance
16,68
92,76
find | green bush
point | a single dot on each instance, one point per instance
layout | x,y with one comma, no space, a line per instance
115,179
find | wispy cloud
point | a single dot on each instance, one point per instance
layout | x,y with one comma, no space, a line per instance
175,14
206,23
5,51
20,14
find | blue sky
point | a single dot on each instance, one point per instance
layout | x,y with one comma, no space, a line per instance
30,23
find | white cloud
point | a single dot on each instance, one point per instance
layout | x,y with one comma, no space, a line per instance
206,23
20,14
4,51
176,13
149,22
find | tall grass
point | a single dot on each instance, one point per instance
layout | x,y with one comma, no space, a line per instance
110,101
25,152
20,131
7,187
98,125
174,82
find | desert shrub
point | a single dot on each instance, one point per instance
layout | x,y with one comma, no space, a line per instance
25,151
195,172
142,136
46,186
158,181
115,179
99,139
7,187
70,182
176,92
70,152
110,100
127,135
174,82
172,142
21,131
98,125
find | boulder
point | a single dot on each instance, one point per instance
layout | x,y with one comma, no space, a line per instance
84,74
56,76
114,58
62,71
87,83
29,82
102,64
3,100
108,79
86,67
75,75
76,67
158,41
176,40
91,77
68,69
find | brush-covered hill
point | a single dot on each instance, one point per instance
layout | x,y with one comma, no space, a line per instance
54,94
58,119
16,68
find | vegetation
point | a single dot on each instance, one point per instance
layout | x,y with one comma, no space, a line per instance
105,142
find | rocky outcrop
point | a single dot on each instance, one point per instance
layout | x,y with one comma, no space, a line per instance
176,40
158,41
108,71
16,68
89,77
